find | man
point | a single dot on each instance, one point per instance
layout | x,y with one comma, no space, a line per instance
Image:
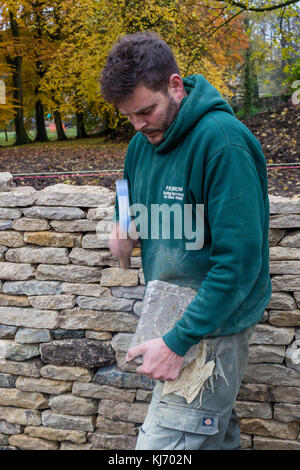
190,149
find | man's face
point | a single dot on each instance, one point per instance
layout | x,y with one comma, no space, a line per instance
150,112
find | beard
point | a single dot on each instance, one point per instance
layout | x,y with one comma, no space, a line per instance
170,114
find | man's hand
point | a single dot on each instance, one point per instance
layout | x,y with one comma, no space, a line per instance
120,244
159,361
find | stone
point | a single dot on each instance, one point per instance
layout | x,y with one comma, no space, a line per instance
9,349
67,445
132,412
54,239
71,273
136,292
284,318
5,224
24,442
27,384
35,254
95,241
19,196
286,282
13,397
64,421
55,302
269,443
68,373
274,374
121,341
76,225
56,213
248,409
10,428
106,392
286,394
7,213
32,287
115,427
89,257
4,440
144,395
71,195
268,334
279,253
52,434
60,333
255,392
73,405
7,331
117,378
100,335
29,368
104,226
292,355
269,427
266,353
105,303
7,381
96,320
284,267
100,213
284,221
33,225
297,298
91,290
137,308
16,271
11,238
30,317
281,204
292,239
112,442
282,301
5,181
14,301
287,412
22,416
119,277
32,335
77,352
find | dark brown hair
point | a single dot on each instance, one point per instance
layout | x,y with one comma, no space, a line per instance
137,58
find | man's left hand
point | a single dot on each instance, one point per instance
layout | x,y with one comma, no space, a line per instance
159,361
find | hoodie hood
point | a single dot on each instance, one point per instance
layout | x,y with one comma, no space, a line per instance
201,98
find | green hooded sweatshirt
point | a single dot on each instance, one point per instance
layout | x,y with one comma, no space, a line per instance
207,158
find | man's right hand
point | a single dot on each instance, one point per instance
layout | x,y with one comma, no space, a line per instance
121,245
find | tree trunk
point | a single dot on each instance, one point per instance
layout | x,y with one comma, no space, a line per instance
81,132
41,133
59,128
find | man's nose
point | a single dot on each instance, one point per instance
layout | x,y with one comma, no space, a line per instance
139,123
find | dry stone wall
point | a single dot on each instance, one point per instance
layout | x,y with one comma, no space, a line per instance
68,312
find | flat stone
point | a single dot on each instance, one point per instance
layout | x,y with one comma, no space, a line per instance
11,238
32,287
292,355
25,223
105,303
10,428
7,381
292,239
144,395
18,196
284,267
117,378
138,308
54,239
266,353
77,225
5,224
255,392
112,441
55,302
119,277
100,335
132,412
60,333
248,409
68,373
281,204
285,221
30,368
284,318
100,213
64,421
282,301
114,427
104,226
286,394
71,195
22,416
286,412
14,301
32,335
273,374
67,445
24,442
9,349
268,334
13,397
269,443
35,254
278,253
106,392
72,405
89,257
286,282
297,297
269,427
30,317
71,273
16,271
95,241
96,320
136,292
7,331
52,434
7,213
77,352
27,384
121,342
56,213
91,290
4,440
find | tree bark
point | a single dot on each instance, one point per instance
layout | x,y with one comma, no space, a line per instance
41,132
59,128
81,132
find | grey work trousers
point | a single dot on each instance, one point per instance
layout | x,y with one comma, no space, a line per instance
173,424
